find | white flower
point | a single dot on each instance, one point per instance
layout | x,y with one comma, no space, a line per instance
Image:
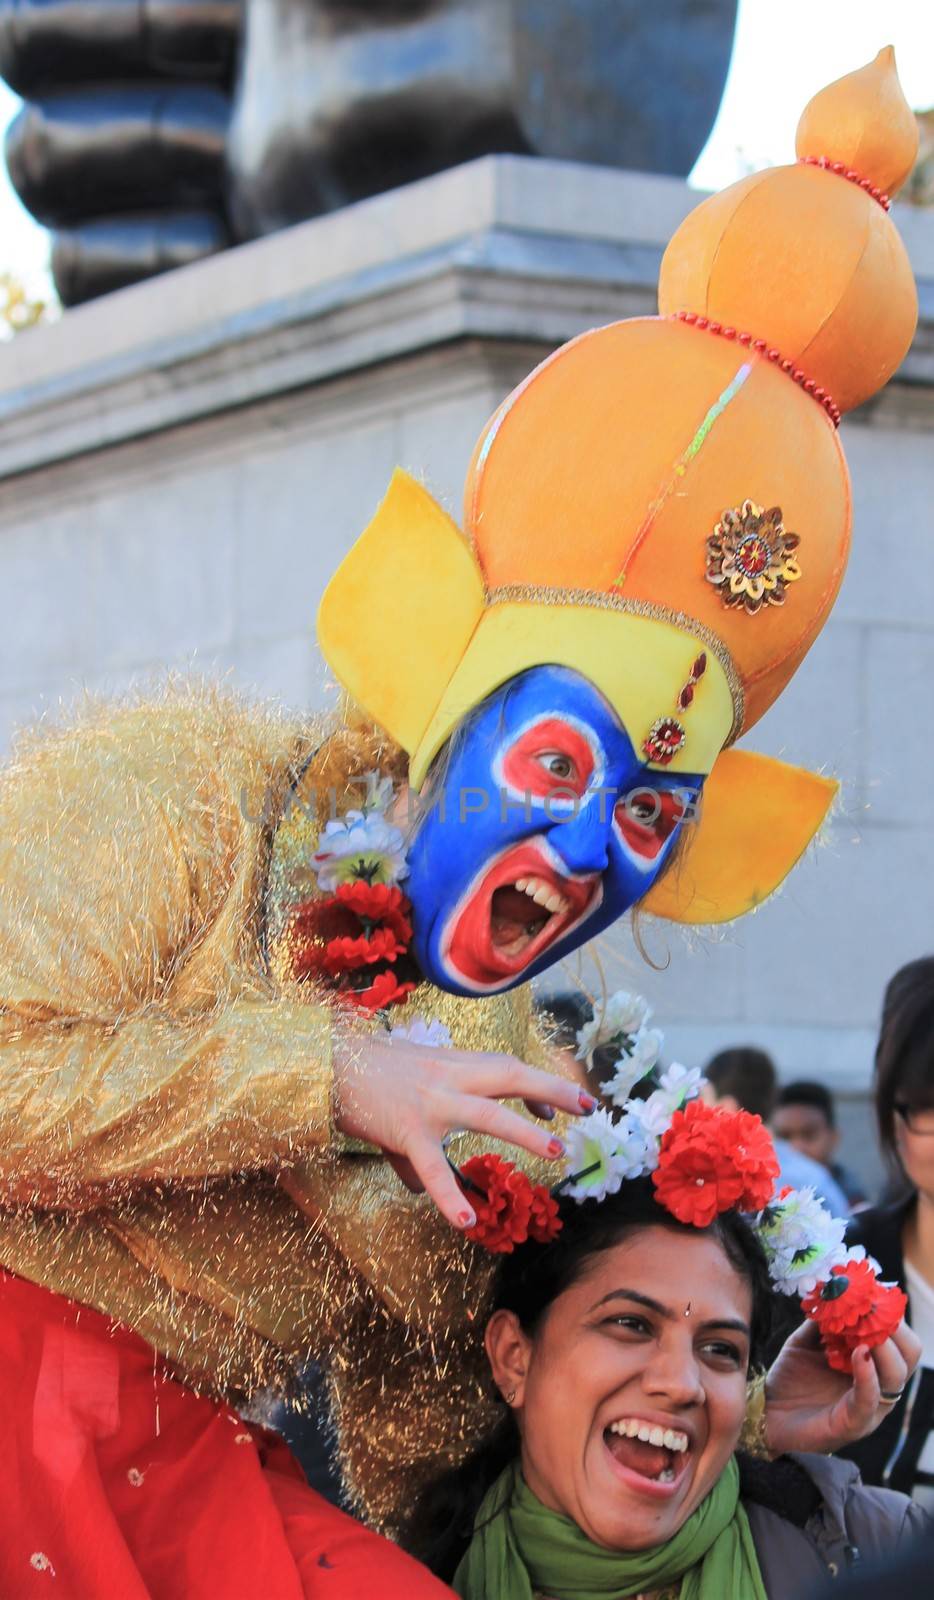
361,844
639,1141
858,1253
418,1031
802,1241
621,1020
680,1084
653,1114
595,1142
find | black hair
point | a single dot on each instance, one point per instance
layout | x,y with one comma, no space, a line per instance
564,1015
904,1073
748,1075
528,1282
807,1092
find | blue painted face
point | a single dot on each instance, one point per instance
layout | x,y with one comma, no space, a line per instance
545,828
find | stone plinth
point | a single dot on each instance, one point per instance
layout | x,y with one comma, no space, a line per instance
183,463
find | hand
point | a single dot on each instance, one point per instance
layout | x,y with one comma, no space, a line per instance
808,1406
407,1097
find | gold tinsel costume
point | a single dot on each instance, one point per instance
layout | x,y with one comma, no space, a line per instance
166,1153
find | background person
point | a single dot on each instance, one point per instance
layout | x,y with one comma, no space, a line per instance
901,1236
805,1116
744,1078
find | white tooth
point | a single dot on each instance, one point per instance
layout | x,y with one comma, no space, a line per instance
656,1436
644,1433
553,903
541,895
632,1428
521,883
666,1475
529,887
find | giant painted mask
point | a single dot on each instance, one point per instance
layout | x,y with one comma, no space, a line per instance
543,828
656,523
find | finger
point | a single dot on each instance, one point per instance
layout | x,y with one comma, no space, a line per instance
499,1122
908,1344
430,1165
405,1170
891,1367
863,1398
505,1077
538,1108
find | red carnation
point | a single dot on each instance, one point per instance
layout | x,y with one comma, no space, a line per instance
379,903
347,955
863,1311
544,1223
358,926
712,1161
510,1209
385,990
502,1198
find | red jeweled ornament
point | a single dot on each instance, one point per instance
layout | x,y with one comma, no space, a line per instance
663,740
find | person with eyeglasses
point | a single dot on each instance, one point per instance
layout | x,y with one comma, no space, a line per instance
900,1235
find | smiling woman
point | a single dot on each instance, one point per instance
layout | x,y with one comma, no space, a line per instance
623,1351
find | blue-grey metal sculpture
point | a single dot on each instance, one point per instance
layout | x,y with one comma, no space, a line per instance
155,131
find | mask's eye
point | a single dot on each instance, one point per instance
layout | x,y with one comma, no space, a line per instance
551,756
642,807
646,818
559,766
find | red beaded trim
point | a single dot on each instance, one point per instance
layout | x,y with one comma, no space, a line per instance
762,347
849,174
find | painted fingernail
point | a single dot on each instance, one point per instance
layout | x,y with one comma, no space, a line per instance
587,1103
465,1219
556,1147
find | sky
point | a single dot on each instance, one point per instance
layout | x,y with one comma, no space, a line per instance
783,52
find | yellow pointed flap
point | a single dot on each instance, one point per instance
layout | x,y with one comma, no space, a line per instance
399,612
757,818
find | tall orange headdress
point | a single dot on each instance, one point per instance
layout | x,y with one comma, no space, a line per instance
663,504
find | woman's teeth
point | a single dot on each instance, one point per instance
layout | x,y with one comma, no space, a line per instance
542,894
667,1438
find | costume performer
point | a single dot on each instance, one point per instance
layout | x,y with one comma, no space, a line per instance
199,970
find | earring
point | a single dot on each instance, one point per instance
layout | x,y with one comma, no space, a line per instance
510,1397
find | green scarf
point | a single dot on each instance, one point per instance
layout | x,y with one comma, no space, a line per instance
519,1546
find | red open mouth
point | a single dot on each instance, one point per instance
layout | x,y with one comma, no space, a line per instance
513,912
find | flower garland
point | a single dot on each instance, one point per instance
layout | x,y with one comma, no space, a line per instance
357,935
703,1161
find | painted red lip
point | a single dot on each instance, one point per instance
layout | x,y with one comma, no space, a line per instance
476,942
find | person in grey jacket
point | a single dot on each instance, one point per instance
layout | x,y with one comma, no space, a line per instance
625,1461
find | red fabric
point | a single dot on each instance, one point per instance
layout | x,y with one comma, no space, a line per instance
117,1483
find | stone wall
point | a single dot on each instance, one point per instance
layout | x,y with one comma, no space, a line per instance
182,465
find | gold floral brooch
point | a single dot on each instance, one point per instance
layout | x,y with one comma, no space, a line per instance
751,558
